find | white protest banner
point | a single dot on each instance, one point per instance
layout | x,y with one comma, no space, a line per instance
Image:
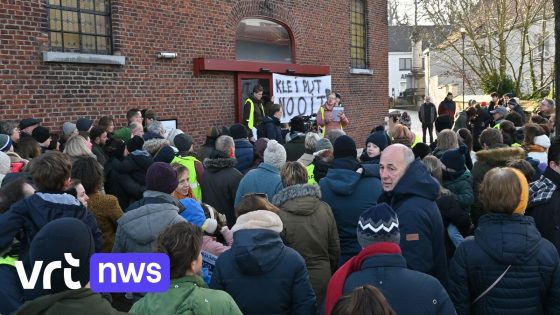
300,95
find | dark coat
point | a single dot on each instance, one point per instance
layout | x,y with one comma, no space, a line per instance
349,194
427,113
420,223
26,217
272,129
121,185
295,148
407,291
532,284
263,275
447,107
263,179
452,213
243,155
518,109
135,164
321,167
310,228
544,207
101,156
219,186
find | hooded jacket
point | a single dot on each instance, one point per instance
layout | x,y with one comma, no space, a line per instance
349,193
186,295
243,155
263,179
310,229
135,164
422,235
144,220
272,129
219,185
262,274
530,286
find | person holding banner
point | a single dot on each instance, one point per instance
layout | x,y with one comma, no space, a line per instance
330,116
253,111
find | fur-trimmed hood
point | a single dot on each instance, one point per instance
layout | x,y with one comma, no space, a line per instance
302,199
259,219
500,156
219,163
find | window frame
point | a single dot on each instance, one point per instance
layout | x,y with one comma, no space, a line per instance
405,63
284,25
79,11
355,62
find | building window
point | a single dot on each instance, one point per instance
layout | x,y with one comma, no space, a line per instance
82,26
263,40
405,64
359,34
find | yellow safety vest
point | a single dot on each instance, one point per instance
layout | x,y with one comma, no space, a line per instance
325,127
188,162
497,126
8,260
310,177
417,140
251,119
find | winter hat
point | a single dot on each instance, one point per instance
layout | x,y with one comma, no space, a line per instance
379,139
166,154
60,236
161,177
172,134
135,143
421,149
183,142
5,142
542,141
83,124
68,128
443,122
28,122
378,224
114,148
275,154
123,134
260,146
238,131
5,164
41,134
405,119
454,159
524,197
344,146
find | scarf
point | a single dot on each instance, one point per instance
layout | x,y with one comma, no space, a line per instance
535,148
180,196
336,284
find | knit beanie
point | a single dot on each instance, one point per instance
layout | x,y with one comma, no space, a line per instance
260,146
542,141
275,154
421,149
5,142
405,119
172,134
60,236
83,124
379,139
524,196
5,164
41,134
454,159
378,224
238,131
135,143
344,146
183,142
322,145
161,177
443,122
165,154
123,134
68,128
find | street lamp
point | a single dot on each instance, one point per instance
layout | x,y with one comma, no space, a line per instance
463,33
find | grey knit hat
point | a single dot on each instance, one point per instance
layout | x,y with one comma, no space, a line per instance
275,154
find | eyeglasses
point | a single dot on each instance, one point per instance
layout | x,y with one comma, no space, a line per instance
262,195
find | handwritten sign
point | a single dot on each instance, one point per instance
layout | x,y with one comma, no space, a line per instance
300,95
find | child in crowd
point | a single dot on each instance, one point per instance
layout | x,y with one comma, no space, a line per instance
375,144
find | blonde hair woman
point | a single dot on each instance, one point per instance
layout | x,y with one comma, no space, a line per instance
76,147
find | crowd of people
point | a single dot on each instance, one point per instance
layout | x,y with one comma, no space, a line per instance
300,223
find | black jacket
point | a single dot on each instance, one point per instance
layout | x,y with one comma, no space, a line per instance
272,129
295,147
427,113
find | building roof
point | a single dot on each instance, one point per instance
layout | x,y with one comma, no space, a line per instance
400,35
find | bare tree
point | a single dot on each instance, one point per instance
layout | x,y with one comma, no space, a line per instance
395,14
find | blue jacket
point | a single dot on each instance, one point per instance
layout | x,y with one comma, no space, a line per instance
349,193
272,129
408,291
243,155
31,214
263,179
263,275
420,223
531,285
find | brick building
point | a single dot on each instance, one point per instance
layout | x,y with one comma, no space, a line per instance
63,59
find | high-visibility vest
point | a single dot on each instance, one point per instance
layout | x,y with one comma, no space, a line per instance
310,177
8,260
323,117
251,119
188,162
497,126
417,140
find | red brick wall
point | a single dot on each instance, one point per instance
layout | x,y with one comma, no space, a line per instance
58,92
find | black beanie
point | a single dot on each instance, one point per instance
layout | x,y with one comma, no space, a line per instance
135,143
41,134
344,146
238,131
421,150
379,138
183,142
166,154
64,235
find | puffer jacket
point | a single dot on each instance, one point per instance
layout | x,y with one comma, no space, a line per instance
530,286
461,187
144,220
263,275
243,155
310,229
